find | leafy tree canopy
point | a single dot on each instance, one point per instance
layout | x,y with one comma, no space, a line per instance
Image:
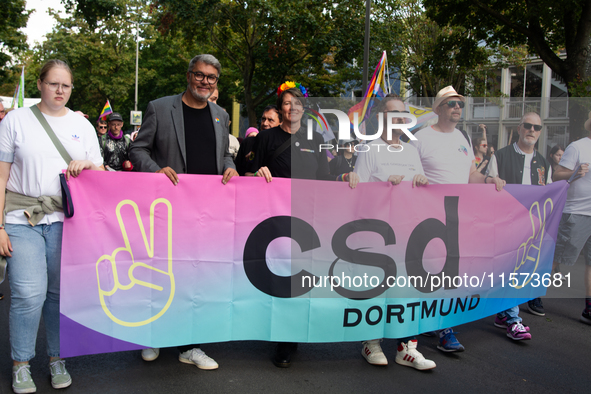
13,16
545,26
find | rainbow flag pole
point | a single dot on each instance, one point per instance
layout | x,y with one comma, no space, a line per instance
107,110
376,88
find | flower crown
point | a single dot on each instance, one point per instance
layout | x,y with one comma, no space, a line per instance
291,84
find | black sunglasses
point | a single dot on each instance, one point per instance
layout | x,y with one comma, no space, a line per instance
452,103
527,126
398,112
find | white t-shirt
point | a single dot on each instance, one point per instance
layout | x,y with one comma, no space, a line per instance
446,157
36,163
578,199
379,162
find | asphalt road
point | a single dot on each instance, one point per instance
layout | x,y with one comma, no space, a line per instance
556,360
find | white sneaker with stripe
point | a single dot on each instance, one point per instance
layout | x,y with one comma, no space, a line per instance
409,355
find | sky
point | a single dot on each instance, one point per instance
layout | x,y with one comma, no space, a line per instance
40,23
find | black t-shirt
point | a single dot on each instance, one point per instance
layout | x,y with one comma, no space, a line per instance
340,165
302,160
200,141
245,157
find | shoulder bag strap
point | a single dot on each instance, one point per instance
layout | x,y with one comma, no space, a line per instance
56,142
465,134
282,148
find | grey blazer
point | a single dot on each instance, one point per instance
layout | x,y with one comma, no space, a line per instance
161,140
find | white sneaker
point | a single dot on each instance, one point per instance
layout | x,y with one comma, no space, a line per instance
197,357
409,355
150,354
372,351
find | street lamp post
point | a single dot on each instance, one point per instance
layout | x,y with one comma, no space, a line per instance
137,51
366,47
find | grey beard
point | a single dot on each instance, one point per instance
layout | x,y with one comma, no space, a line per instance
197,96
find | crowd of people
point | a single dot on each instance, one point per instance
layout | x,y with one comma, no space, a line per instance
189,134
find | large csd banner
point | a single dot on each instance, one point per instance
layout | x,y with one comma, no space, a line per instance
149,264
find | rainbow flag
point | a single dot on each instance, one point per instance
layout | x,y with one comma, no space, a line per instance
19,94
376,88
107,110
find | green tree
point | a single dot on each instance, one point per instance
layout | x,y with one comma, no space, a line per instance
102,58
261,43
13,16
547,27
432,56
95,11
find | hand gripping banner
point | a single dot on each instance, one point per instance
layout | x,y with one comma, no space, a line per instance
149,264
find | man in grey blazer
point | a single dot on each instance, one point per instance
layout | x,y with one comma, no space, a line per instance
186,134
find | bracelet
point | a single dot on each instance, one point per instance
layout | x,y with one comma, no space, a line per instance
255,174
486,177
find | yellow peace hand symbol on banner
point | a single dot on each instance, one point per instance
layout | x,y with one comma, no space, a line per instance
140,276
530,251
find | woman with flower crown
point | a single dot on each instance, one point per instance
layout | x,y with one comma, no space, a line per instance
286,152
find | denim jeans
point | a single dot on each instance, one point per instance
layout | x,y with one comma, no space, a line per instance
34,276
512,315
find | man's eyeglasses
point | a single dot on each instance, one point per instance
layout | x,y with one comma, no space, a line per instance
453,103
199,76
527,126
53,86
484,145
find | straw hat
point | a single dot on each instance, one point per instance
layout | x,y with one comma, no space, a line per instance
445,93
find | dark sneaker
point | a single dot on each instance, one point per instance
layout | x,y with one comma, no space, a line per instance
448,342
586,316
282,357
536,307
502,323
517,332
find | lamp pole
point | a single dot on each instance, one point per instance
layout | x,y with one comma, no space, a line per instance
366,47
137,51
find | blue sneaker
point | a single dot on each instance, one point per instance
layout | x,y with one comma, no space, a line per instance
448,342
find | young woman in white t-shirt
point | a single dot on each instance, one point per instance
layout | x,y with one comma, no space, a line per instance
30,165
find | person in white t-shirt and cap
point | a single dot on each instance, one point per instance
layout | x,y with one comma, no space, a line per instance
574,230
393,161
447,158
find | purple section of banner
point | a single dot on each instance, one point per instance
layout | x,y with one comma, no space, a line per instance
76,339
527,195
